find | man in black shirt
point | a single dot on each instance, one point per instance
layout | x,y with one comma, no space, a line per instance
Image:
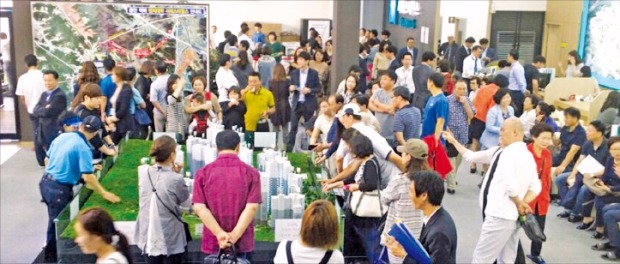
532,74
101,142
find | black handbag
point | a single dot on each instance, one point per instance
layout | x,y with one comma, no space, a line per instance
188,235
451,150
532,228
225,256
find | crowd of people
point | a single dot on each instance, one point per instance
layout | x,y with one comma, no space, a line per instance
382,133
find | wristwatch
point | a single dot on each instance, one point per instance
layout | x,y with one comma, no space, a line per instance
110,145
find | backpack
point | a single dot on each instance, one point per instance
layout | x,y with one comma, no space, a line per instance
201,118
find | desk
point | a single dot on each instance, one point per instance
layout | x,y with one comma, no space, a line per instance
583,107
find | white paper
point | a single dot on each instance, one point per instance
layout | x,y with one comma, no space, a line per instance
287,229
264,139
74,207
615,130
590,165
424,32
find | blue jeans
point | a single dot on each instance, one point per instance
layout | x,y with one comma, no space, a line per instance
56,196
602,202
362,237
560,182
611,216
584,196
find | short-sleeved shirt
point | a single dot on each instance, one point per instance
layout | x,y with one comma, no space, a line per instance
382,151
385,119
30,86
225,186
324,125
137,99
69,157
256,103
531,73
570,138
275,48
107,88
408,121
83,112
600,154
458,119
436,107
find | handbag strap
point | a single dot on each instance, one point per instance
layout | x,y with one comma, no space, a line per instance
378,187
326,257
159,198
289,255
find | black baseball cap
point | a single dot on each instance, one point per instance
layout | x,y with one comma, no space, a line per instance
91,124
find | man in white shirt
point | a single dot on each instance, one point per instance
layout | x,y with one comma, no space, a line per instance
472,65
30,87
225,78
405,73
157,96
508,186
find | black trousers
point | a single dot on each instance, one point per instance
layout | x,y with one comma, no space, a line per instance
172,259
537,246
302,110
517,101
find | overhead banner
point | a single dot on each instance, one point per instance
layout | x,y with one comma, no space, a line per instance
65,34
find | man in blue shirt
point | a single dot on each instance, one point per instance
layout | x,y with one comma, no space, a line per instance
258,37
107,85
69,162
572,137
436,110
516,81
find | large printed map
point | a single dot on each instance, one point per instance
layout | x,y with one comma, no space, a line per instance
67,34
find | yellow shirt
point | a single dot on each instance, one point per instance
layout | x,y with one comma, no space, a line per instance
256,103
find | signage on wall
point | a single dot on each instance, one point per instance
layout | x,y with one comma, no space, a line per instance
401,12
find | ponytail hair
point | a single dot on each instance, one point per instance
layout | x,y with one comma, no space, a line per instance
98,222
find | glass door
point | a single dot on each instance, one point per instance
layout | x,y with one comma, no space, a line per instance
9,115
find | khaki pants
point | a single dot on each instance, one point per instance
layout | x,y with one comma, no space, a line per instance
455,162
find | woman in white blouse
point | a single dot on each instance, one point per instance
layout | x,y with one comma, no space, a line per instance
528,118
574,65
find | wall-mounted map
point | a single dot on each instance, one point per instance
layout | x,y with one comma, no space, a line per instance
602,45
66,34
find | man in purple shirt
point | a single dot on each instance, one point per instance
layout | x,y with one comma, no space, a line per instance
226,197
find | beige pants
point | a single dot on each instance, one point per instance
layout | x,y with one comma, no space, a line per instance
455,162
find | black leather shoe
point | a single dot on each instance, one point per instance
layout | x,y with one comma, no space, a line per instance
451,191
598,235
473,170
575,218
585,226
564,214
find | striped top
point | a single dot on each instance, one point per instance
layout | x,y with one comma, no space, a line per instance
396,196
175,116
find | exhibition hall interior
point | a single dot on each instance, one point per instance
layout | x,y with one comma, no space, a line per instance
262,131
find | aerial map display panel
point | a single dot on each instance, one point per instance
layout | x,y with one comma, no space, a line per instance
599,43
65,34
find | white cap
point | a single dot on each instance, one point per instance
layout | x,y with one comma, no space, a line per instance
351,108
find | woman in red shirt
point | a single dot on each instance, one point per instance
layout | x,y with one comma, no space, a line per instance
542,135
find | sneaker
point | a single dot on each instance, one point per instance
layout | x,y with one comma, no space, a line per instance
536,259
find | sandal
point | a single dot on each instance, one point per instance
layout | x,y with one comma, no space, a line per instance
610,256
602,247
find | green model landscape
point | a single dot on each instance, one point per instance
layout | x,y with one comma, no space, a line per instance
122,179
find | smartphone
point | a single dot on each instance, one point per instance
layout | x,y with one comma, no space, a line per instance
312,146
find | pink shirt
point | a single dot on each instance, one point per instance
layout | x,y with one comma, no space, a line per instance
225,186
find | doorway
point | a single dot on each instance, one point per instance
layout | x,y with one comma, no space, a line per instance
9,110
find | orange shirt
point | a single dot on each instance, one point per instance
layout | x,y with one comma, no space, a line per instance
540,205
484,101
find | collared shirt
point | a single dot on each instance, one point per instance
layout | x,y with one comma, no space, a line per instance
48,94
69,157
458,121
258,38
303,77
158,92
569,138
256,103
425,219
436,107
601,153
382,151
225,78
471,66
516,81
225,186
405,78
172,192
30,86
408,120
515,175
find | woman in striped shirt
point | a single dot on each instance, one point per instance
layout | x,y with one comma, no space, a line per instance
175,116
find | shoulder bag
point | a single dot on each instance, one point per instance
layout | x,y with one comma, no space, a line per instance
289,254
142,118
188,235
368,204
